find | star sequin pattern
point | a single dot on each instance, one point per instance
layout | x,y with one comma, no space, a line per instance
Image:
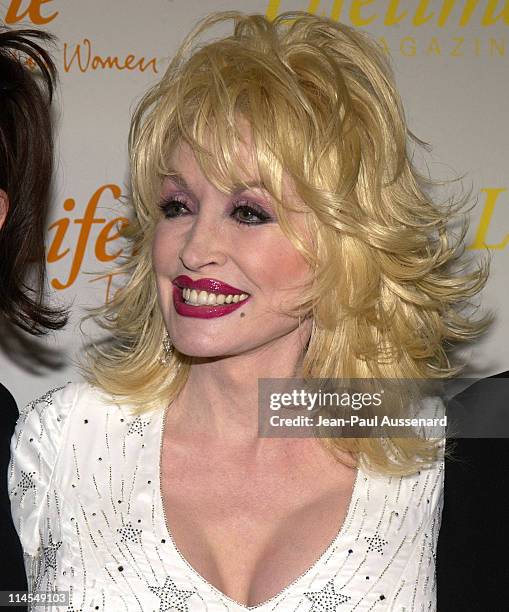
326,600
50,554
376,543
171,597
26,482
129,534
137,426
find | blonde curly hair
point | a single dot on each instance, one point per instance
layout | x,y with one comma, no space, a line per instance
391,289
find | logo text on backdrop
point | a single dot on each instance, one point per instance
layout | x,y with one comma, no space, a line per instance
440,17
83,57
110,232
31,9
361,14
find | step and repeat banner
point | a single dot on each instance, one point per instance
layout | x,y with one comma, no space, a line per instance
451,60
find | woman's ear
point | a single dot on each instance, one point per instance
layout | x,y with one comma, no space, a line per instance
4,206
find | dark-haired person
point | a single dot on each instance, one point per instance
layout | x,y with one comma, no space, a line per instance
26,163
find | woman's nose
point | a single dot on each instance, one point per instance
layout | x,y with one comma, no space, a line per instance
203,244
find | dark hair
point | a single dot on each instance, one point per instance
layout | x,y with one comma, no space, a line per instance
26,166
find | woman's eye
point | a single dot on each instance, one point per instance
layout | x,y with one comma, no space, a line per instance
249,215
171,208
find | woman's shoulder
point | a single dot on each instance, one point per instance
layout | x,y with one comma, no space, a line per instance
55,405
39,444
42,423
66,394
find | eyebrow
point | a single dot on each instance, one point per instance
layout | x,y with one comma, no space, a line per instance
178,179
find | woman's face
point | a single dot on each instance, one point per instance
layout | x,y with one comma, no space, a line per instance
230,245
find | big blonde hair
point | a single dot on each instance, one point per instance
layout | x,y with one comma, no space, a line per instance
322,107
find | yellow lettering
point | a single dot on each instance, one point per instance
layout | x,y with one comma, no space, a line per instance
456,50
468,9
490,19
272,9
33,12
337,9
313,7
390,17
499,46
407,49
447,7
355,13
434,47
484,222
420,16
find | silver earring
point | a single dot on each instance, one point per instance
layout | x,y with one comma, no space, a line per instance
167,350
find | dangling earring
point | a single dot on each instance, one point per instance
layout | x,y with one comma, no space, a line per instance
167,350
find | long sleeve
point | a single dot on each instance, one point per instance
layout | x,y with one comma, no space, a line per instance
35,447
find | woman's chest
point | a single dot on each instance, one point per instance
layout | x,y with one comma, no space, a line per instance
251,530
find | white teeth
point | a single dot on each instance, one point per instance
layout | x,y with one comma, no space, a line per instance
191,296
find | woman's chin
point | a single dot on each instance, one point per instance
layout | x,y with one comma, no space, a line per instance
202,351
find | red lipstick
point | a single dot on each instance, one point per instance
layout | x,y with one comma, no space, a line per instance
210,285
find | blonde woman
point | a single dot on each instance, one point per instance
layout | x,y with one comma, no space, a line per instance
280,230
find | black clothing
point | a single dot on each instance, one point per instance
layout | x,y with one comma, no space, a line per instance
473,542
12,574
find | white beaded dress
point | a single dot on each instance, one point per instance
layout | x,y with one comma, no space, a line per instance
86,501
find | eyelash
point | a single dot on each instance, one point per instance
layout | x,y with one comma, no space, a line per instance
166,205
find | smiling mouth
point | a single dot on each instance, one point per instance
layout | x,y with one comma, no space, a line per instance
206,298
192,297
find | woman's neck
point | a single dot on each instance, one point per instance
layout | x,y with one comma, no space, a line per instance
220,397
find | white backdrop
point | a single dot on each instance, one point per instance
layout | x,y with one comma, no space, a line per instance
451,63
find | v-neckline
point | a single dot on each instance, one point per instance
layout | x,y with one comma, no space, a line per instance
165,528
